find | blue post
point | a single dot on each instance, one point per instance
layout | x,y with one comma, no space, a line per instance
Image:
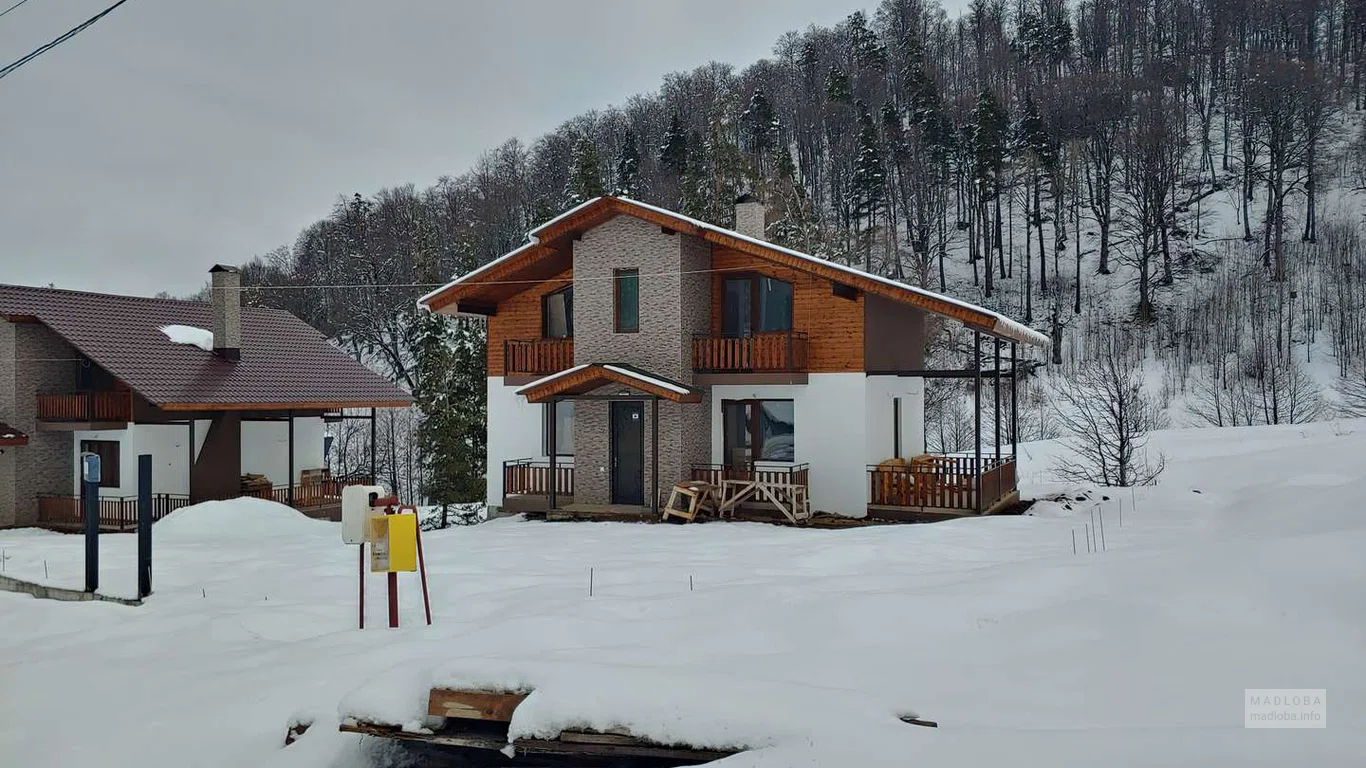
90,496
144,525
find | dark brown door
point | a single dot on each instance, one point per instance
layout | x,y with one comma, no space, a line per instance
628,452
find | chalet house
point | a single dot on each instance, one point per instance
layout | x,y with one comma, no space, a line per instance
228,400
755,361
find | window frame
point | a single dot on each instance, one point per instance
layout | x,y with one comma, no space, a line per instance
110,471
546,416
568,315
755,405
617,279
755,306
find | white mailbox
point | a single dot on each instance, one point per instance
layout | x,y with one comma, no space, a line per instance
356,511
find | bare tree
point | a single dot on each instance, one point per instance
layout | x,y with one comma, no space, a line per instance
1106,415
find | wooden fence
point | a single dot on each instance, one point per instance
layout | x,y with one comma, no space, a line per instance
792,474
945,482
759,353
525,476
118,513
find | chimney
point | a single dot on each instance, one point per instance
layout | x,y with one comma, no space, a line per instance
749,216
227,311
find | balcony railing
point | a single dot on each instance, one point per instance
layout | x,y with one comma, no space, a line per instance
118,513
942,482
783,351
86,406
532,478
538,356
793,474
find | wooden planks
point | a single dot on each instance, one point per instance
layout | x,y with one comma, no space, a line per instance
473,705
519,319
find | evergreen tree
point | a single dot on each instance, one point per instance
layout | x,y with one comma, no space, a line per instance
838,89
628,167
760,126
695,197
988,143
673,153
585,174
868,184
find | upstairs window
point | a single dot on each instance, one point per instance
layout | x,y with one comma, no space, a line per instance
557,314
626,300
755,304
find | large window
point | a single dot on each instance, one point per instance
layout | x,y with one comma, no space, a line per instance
564,428
108,451
756,304
626,300
757,430
557,314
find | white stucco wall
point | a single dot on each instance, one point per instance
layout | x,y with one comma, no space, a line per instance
879,410
828,433
514,433
264,451
265,448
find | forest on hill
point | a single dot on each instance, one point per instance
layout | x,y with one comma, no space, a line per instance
1178,180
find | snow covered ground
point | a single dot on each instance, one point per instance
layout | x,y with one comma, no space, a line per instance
1244,569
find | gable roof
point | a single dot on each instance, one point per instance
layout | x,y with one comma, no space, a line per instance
582,379
549,253
285,362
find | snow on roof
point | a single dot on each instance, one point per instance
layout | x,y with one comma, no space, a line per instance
620,370
1004,324
188,334
646,378
550,378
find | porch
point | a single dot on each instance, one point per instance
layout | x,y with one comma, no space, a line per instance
931,487
317,498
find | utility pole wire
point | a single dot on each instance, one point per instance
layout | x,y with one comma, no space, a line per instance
58,41
12,7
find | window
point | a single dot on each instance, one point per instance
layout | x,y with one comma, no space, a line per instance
564,428
557,314
108,451
626,300
756,304
757,430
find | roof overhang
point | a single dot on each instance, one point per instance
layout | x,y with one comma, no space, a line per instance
550,253
297,406
582,379
11,436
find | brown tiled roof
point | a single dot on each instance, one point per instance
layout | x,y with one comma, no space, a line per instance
285,362
11,436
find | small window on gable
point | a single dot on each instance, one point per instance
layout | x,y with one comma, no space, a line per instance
557,314
626,300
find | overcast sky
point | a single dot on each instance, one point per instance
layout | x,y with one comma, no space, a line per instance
179,133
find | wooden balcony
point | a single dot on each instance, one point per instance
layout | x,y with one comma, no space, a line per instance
781,352
538,357
795,474
526,485
86,407
944,483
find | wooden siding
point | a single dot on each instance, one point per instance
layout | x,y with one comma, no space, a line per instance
833,325
519,319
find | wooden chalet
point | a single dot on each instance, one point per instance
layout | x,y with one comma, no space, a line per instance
631,348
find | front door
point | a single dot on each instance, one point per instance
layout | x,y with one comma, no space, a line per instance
628,452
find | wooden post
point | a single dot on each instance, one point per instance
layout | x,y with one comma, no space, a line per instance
1014,408
977,418
996,388
552,450
422,569
654,457
289,494
393,586
374,467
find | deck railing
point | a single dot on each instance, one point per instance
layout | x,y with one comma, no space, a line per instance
116,512
538,356
794,474
532,477
86,406
783,351
120,513
945,482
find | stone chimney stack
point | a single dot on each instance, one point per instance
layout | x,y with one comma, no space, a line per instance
749,217
227,312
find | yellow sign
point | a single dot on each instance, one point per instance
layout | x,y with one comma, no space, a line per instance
393,543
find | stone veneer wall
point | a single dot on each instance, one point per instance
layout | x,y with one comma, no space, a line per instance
673,307
7,415
42,362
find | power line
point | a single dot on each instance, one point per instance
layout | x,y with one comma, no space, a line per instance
12,7
40,50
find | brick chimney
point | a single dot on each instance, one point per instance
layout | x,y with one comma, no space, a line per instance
227,311
749,216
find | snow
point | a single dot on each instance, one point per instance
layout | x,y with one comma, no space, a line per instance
1241,570
550,378
638,376
188,334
